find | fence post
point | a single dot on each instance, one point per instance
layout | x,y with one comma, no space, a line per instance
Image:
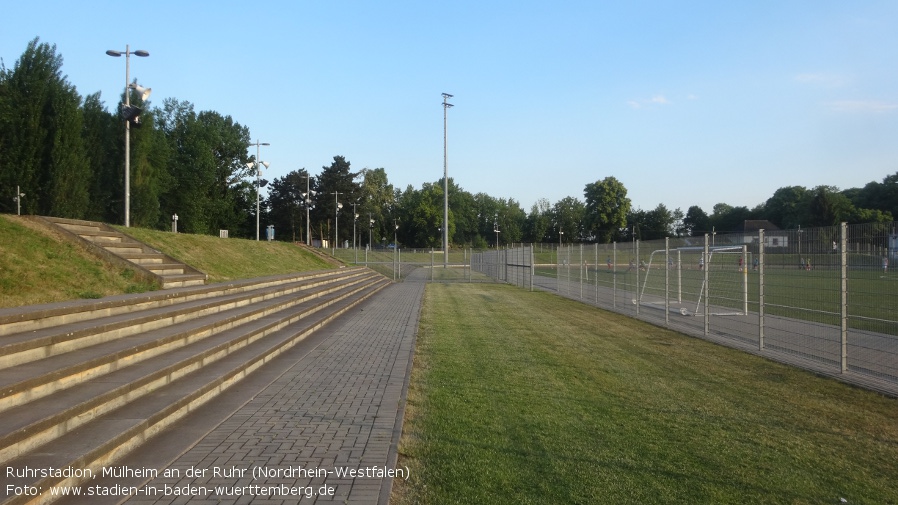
705,269
558,268
666,281
761,261
531,267
744,280
597,272
636,287
844,288
679,277
580,261
614,275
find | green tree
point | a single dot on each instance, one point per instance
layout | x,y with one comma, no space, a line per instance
878,196
208,156
378,197
102,133
41,122
728,219
539,221
287,206
420,216
696,222
567,219
658,223
788,207
338,178
607,206
828,207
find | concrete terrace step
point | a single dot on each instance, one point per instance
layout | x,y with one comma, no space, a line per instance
86,349
80,408
116,246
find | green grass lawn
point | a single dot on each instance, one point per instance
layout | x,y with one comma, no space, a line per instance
38,266
232,258
525,397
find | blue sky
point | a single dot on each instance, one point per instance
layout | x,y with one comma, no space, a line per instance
686,103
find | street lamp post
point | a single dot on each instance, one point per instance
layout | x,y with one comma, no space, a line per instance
258,172
127,54
18,200
355,219
446,106
395,248
307,201
337,208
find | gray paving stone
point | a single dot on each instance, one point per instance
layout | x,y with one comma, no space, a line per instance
337,405
333,402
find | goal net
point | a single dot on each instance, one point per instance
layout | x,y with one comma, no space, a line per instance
690,283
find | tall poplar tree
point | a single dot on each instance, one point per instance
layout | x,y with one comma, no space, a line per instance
41,124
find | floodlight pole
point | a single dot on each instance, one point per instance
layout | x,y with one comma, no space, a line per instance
127,54
337,207
258,170
446,106
307,201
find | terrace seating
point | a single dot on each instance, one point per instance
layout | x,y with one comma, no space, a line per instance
83,383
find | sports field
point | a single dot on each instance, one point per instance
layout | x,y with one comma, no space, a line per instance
525,397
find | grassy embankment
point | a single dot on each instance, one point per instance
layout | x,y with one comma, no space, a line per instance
521,397
37,266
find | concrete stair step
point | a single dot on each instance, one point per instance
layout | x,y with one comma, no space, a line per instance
111,435
101,414
166,269
16,321
38,422
140,338
145,258
118,247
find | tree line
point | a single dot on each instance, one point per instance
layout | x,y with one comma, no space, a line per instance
65,153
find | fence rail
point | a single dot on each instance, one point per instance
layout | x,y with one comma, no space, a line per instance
822,298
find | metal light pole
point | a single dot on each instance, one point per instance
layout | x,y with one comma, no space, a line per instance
307,200
127,54
370,229
395,248
18,200
258,172
337,207
446,106
355,218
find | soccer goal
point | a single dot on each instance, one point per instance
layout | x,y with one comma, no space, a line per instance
683,278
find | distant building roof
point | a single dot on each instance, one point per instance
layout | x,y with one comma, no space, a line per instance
758,224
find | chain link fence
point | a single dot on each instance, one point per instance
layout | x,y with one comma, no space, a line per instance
824,298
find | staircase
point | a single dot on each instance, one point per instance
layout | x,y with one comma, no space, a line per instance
83,383
117,247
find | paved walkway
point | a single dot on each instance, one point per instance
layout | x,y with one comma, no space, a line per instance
319,424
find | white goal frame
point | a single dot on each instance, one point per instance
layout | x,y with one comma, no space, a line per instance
703,291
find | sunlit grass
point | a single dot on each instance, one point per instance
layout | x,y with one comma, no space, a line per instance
520,397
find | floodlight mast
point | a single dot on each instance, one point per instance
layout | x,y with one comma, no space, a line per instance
258,164
128,52
446,106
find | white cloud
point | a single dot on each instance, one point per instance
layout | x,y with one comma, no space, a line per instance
863,106
654,100
822,79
